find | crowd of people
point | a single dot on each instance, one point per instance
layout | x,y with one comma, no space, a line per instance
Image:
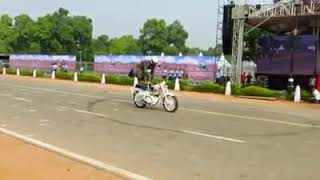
59,67
173,74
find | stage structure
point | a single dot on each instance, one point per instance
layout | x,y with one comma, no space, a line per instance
294,17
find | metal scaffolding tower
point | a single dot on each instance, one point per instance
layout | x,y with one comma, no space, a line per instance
261,14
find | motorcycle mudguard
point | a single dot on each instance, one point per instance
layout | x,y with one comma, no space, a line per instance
170,94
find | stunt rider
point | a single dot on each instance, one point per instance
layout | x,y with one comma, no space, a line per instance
146,68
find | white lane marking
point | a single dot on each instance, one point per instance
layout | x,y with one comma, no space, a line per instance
115,109
22,99
33,110
44,124
7,95
44,120
91,113
253,118
53,90
185,109
16,117
83,159
62,108
30,135
213,136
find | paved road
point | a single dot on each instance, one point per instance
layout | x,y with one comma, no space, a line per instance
205,139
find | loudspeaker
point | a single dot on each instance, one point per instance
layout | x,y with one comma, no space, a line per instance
227,29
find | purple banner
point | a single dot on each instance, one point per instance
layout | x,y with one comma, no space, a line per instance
194,67
42,61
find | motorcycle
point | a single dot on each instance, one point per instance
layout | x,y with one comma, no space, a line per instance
148,94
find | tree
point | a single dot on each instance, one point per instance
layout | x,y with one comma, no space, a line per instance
213,51
101,44
194,51
154,35
171,50
177,36
125,45
26,30
250,42
7,35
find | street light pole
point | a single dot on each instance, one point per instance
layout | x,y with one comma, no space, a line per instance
80,53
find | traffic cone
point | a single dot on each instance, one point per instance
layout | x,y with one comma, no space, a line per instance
75,78
4,71
34,73
53,75
228,89
177,85
297,95
135,82
103,79
18,72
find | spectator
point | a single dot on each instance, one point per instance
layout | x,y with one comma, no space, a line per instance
290,85
218,77
243,78
180,75
176,74
171,74
312,82
65,67
315,96
249,79
165,74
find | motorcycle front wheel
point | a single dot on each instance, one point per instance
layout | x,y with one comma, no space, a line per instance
138,101
170,104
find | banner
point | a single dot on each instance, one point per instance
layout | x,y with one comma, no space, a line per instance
41,61
194,67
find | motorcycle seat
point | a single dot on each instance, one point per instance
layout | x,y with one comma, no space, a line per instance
142,86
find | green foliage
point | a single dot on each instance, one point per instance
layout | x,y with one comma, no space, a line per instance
154,36
120,80
305,95
101,45
177,36
65,75
208,87
171,51
236,89
89,77
125,45
259,91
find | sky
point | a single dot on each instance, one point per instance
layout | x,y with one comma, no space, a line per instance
123,17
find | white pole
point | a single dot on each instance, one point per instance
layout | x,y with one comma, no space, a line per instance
34,73
103,79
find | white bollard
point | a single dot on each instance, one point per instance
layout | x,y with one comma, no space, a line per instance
135,82
103,79
4,71
75,78
297,95
228,89
18,72
53,75
34,73
177,85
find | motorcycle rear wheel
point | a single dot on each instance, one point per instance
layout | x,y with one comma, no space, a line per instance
137,102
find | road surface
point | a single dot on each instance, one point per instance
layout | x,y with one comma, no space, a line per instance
208,138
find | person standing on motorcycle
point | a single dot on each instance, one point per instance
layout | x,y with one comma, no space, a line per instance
147,68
